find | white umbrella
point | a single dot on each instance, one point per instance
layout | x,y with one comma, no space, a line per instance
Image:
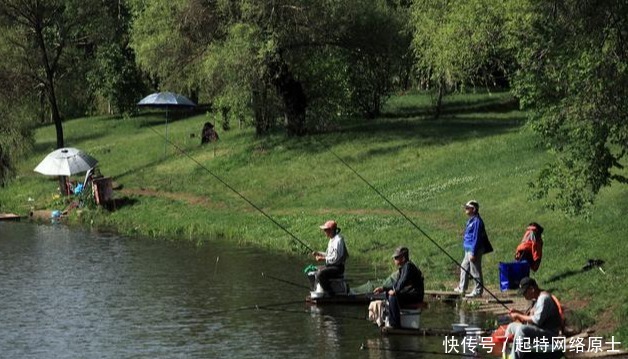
66,162
166,100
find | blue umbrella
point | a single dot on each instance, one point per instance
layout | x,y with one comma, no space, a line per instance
166,100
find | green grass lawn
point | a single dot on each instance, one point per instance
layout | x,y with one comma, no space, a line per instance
480,149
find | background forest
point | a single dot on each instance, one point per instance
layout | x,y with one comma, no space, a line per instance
305,66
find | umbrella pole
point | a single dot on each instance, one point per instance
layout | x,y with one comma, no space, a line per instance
63,187
166,143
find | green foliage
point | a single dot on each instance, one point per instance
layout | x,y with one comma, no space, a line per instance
115,76
457,43
267,60
15,135
574,80
169,39
378,43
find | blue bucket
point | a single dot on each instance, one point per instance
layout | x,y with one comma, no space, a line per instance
510,274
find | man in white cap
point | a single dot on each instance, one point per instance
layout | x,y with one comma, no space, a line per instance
476,244
334,257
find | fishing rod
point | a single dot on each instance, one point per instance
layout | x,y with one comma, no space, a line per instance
183,152
411,222
285,281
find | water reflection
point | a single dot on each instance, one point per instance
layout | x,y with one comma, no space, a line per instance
79,294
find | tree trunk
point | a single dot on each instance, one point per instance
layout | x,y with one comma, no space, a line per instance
293,97
439,100
50,86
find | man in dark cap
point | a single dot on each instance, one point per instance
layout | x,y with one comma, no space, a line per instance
544,321
407,289
476,244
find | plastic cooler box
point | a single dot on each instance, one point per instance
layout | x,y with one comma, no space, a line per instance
510,274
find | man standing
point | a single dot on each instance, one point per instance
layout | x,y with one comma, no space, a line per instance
334,257
407,289
476,244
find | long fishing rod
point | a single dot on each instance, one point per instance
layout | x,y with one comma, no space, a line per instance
234,190
285,281
411,222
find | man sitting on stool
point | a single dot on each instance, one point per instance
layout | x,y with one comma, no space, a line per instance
407,289
334,257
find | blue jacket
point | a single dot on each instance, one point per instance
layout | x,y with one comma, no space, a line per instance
475,237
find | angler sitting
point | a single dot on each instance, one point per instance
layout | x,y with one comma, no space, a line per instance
335,257
544,322
407,289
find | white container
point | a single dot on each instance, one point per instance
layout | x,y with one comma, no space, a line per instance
459,327
473,331
410,319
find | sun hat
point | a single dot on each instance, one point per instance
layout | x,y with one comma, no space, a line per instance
329,225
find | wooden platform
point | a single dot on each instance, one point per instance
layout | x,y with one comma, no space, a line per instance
9,217
426,332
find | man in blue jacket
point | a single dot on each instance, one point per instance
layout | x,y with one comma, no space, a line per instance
476,244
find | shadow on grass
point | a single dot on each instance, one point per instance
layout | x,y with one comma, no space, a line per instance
157,117
123,202
49,146
135,169
497,105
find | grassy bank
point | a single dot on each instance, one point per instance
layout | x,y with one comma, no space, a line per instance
480,149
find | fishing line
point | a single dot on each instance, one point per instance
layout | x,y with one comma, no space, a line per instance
409,220
285,281
233,190
255,307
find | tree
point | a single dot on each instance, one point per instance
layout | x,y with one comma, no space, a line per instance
264,55
115,75
457,43
15,112
573,79
45,33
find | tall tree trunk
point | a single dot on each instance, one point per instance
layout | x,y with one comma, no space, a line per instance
50,86
439,100
293,96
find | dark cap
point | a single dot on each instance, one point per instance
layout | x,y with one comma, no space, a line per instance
526,283
401,252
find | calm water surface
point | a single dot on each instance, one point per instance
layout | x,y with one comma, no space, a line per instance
68,293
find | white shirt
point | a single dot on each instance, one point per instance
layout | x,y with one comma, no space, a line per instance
336,253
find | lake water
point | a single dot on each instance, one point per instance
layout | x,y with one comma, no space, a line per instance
67,293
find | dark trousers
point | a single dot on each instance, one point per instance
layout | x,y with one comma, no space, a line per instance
395,302
326,273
